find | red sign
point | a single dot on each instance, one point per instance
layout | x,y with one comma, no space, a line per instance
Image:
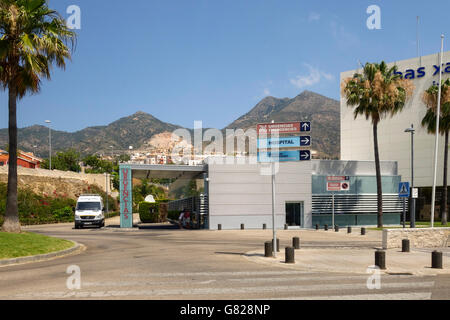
270,128
333,186
338,186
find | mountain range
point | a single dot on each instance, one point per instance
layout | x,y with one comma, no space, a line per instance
139,129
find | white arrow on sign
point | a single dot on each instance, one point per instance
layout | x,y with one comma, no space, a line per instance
305,140
305,155
305,126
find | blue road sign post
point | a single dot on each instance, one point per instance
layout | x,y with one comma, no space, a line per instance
404,192
269,151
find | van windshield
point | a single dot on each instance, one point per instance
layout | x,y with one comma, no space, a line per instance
88,206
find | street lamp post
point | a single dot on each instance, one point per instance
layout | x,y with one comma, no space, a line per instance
436,142
412,213
49,143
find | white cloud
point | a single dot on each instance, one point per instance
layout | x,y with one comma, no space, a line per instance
313,16
344,38
313,77
266,92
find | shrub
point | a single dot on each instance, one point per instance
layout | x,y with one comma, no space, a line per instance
148,212
64,214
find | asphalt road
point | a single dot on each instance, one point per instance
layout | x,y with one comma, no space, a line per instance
167,263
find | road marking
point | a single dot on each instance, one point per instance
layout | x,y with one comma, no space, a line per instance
223,291
240,280
380,296
213,274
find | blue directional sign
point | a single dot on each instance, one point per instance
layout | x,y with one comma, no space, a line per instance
279,156
403,189
279,142
305,126
305,155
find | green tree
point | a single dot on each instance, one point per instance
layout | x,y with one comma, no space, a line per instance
33,38
376,93
430,98
64,161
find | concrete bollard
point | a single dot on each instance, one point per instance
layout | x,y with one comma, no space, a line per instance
363,231
380,259
405,245
336,228
325,227
268,249
289,255
264,226
242,226
436,260
219,227
285,227
296,242
317,226
349,229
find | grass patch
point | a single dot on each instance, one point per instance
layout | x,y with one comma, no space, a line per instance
419,224
13,245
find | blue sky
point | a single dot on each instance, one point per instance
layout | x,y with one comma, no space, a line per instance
213,60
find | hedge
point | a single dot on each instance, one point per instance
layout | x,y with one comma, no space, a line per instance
148,212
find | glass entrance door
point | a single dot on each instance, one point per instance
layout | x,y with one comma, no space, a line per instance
294,214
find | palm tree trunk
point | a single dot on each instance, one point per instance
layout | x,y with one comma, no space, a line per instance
378,173
11,223
444,193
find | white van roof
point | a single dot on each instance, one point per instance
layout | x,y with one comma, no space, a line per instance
90,198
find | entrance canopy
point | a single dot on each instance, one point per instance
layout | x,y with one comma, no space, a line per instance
146,171
129,171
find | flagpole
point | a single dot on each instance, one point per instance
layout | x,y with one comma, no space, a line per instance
438,113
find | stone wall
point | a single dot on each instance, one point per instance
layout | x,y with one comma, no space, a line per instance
418,237
46,181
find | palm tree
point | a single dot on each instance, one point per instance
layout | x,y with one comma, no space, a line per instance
376,93
430,98
33,38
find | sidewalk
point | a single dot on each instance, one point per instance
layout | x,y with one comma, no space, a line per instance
352,260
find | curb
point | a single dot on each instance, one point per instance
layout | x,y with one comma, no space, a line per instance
43,257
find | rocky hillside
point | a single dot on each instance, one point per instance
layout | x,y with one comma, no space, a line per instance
323,112
143,131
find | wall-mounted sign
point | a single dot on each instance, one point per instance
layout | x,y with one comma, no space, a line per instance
338,186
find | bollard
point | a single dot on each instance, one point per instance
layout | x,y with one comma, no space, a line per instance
285,227
349,229
380,259
264,226
219,227
268,249
317,226
290,255
296,242
336,228
363,231
436,260
405,245
325,227
242,226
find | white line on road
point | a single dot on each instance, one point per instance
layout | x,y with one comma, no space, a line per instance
381,296
223,291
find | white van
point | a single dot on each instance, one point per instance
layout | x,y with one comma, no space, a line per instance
89,211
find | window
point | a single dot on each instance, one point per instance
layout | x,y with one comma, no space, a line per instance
82,206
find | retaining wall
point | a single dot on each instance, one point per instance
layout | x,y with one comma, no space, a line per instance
418,237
